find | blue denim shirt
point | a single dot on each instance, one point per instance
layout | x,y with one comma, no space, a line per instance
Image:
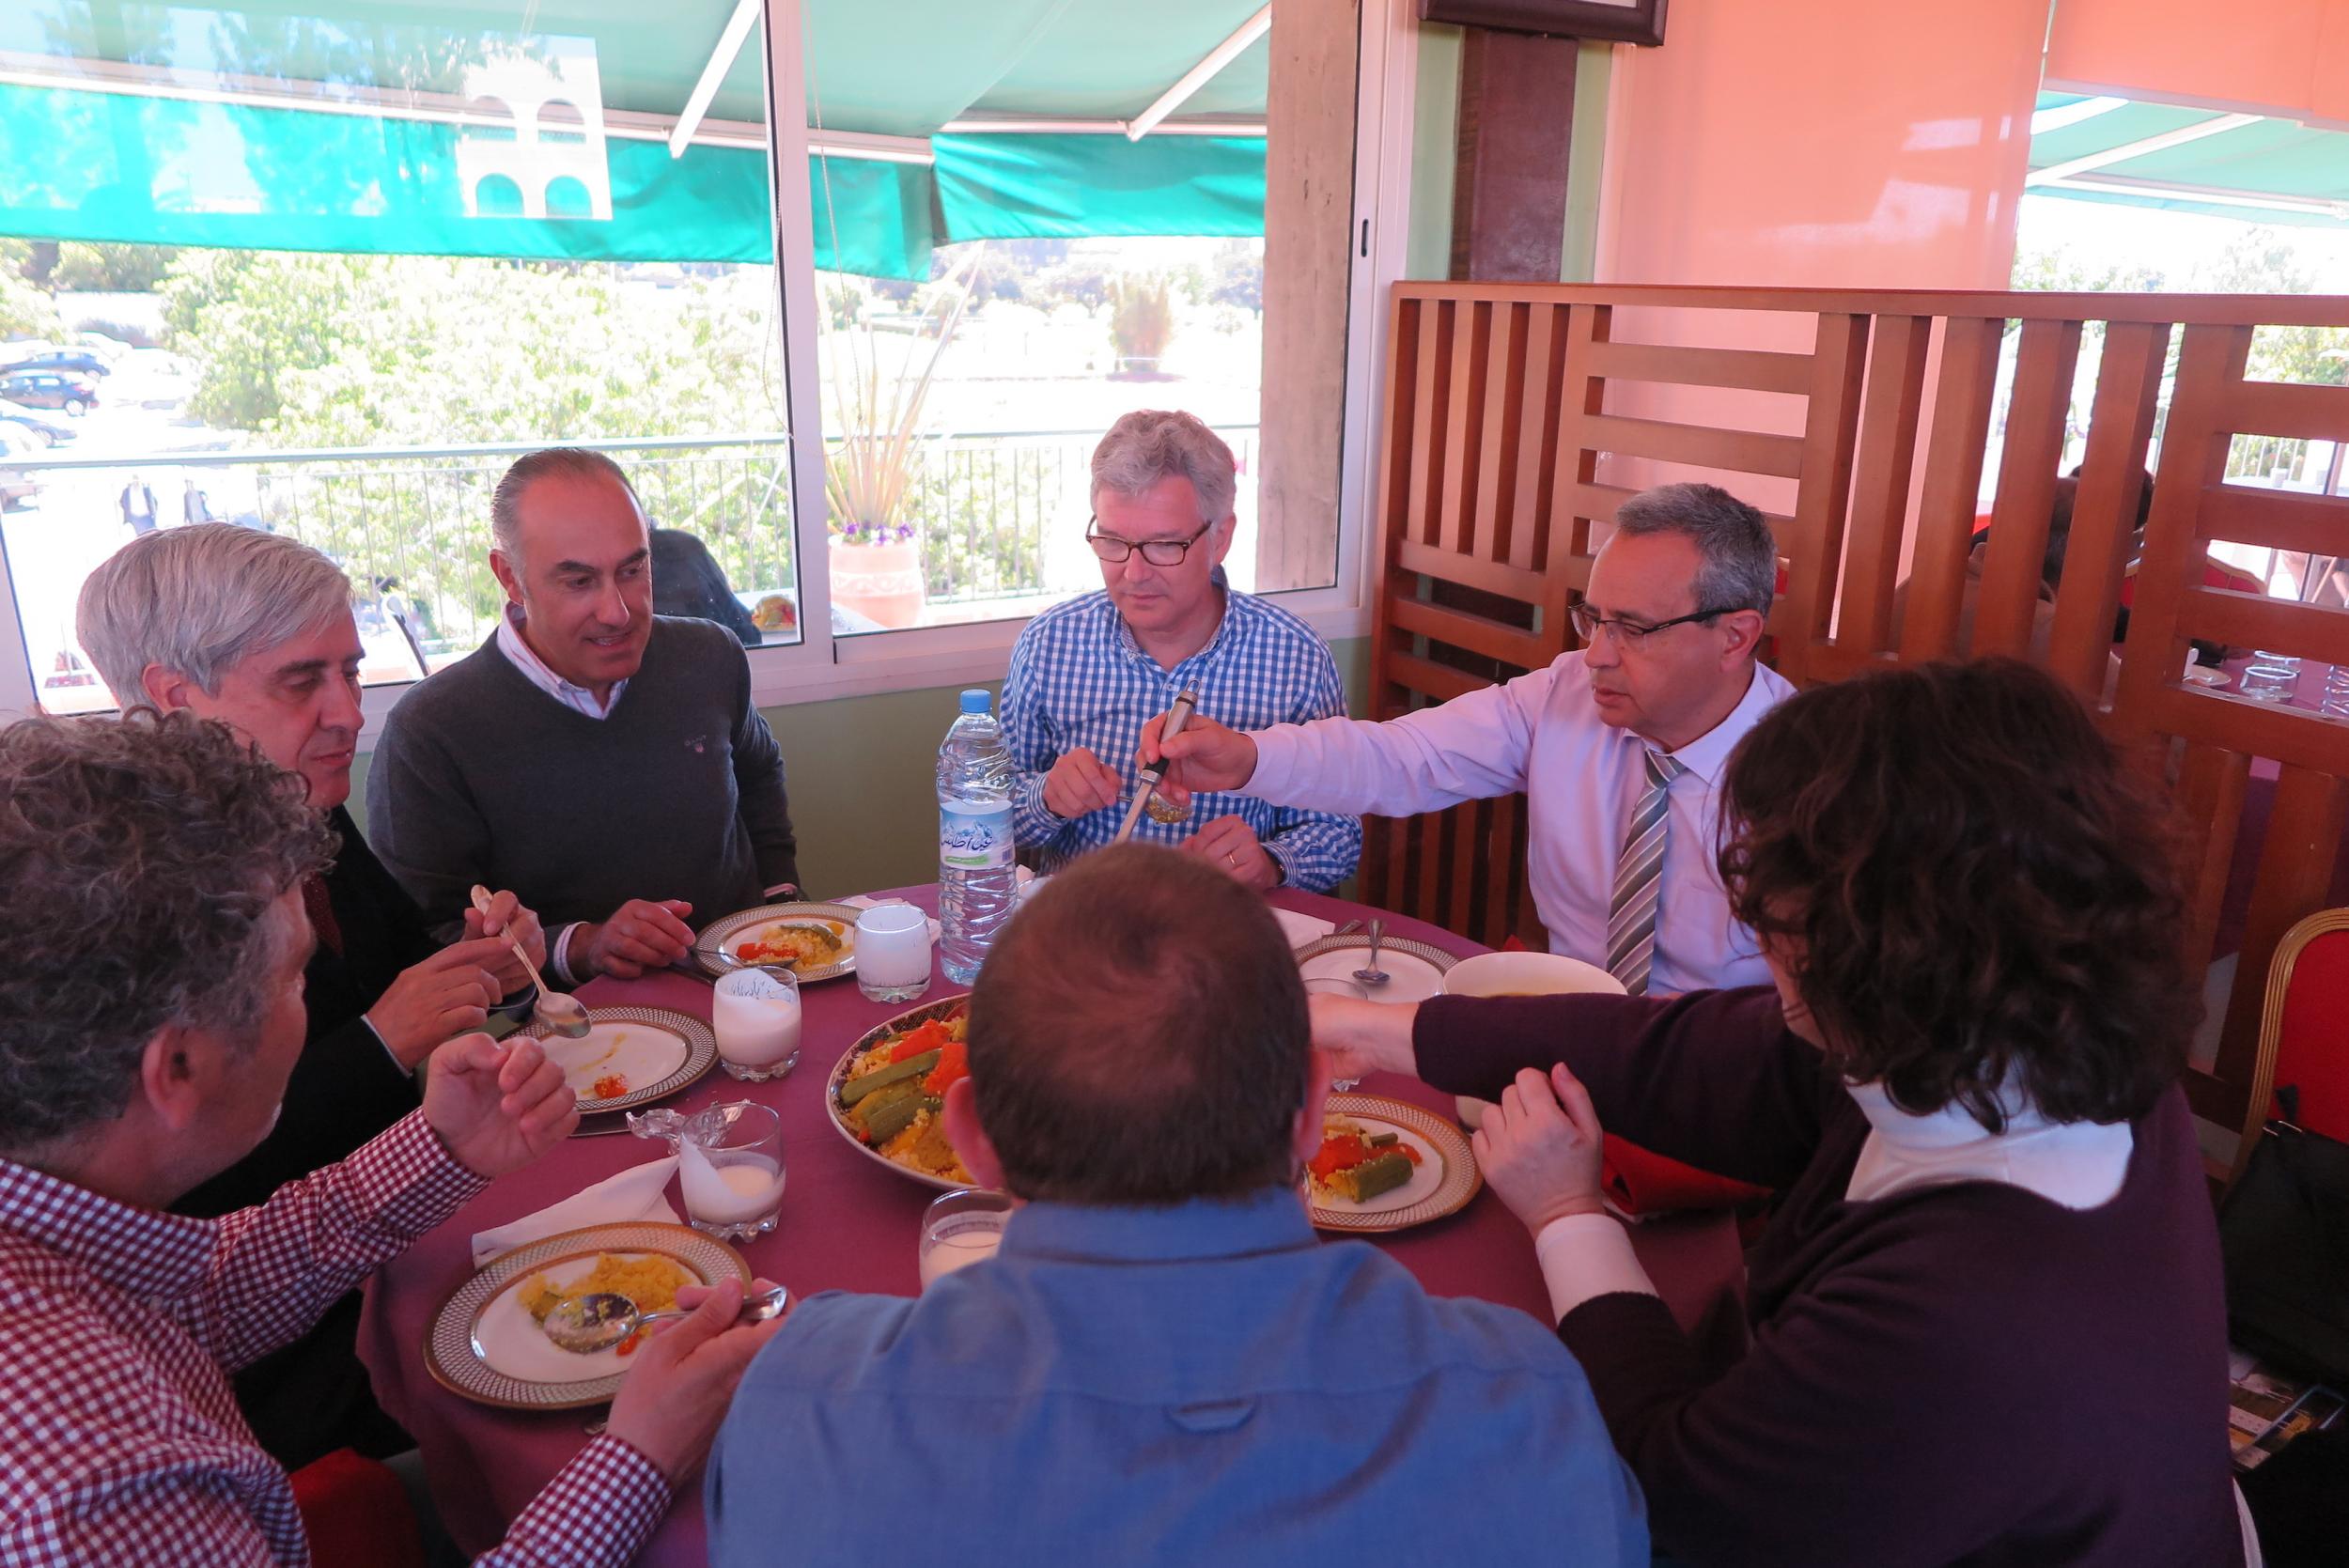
1203,1384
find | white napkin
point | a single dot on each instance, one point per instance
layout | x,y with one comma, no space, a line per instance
865,901
1302,928
635,1193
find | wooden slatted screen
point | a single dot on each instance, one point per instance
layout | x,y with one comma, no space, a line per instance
1517,417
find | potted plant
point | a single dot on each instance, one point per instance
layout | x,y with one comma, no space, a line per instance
871,467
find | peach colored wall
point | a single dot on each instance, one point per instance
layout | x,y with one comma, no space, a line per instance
1813,143
2269,57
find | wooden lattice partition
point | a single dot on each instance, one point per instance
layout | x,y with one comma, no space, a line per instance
1510,408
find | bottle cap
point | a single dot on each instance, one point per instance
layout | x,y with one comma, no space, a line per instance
977,701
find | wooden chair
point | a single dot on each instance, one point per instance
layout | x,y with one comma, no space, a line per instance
2304,1032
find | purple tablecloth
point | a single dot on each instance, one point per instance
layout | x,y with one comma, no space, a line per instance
848,1224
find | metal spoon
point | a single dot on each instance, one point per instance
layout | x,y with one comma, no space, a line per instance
561,1012
1370,973
602,1319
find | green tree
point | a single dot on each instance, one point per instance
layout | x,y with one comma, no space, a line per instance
26,310
110,268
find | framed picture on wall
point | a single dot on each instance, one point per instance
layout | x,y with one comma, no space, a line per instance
1601,21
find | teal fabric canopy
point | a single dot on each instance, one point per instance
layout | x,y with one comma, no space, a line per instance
2257,169
446,129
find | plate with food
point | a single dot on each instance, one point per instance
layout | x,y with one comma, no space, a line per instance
1415,971
1385,1165
885,1094
632,1056
814,941
489,1342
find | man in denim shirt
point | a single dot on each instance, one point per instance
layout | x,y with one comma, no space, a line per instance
1163,1364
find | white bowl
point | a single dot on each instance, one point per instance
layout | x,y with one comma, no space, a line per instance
1502,974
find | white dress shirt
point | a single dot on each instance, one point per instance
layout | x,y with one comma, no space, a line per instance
520,654
1582,777
2078,1165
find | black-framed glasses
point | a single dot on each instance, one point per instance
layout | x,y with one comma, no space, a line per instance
1629,633
1158,553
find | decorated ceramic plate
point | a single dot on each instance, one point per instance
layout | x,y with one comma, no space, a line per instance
779,928
1415,971
484,1345
632,1056
872,1037
1443,1182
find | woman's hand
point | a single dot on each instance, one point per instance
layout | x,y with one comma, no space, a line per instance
1542,1150
1362,1037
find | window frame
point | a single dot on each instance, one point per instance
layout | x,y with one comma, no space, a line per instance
821,666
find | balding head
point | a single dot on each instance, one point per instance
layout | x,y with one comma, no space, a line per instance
1138,1036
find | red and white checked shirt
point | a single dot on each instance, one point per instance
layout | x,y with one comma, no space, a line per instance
120,1442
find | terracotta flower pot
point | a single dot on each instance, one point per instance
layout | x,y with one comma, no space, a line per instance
880,581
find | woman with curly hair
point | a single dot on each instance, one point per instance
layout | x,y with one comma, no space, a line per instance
1987,1323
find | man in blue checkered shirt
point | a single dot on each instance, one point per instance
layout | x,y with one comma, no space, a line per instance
1086,676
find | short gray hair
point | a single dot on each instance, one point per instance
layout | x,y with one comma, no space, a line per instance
138,861
572,462
1151,445
1737,560
199,600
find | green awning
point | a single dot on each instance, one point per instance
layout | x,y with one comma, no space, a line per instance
2251,167
190,124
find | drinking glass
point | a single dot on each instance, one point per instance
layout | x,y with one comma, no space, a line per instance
2337,690
730,1165
960,1228
755,1016
2270,677
892,952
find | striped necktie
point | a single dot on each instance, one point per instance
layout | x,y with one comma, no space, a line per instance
1639,878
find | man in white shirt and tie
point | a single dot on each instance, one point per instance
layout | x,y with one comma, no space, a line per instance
1618,746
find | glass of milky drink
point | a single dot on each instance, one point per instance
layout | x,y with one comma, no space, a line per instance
755,1017
962,1228
730,1164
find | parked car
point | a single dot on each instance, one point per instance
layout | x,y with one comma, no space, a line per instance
80,362
50,389
48,432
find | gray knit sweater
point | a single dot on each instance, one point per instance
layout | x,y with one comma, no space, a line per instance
677,793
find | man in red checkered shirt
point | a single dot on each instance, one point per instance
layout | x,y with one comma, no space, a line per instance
150,1009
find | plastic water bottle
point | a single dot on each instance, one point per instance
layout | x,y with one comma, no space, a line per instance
976,880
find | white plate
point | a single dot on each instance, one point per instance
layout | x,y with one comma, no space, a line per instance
910,1019
657,1050
476,1323
1446,1179
750,924
509,1341
1415,971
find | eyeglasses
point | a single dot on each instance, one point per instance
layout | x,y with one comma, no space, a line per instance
1158,553
1631,634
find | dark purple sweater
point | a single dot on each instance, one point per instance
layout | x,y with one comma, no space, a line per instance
1959,1374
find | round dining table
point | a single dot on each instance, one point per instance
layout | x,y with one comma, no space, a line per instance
849,1224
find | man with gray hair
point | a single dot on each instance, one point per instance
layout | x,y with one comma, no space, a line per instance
1618,746
1087,675
255,631
151,1013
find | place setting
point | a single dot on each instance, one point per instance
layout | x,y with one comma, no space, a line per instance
559,1300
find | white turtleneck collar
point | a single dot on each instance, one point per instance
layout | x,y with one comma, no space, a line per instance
2077,1165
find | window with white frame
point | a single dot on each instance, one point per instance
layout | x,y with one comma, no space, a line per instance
328,268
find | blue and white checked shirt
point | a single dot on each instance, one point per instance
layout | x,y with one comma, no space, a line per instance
1078,678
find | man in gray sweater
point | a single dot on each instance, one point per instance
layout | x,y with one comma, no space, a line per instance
605,763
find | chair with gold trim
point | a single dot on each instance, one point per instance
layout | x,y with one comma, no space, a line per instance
2304,1032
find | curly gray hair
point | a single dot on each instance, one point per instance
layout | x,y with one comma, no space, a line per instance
201,600
138,861
1151,445
1738,559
